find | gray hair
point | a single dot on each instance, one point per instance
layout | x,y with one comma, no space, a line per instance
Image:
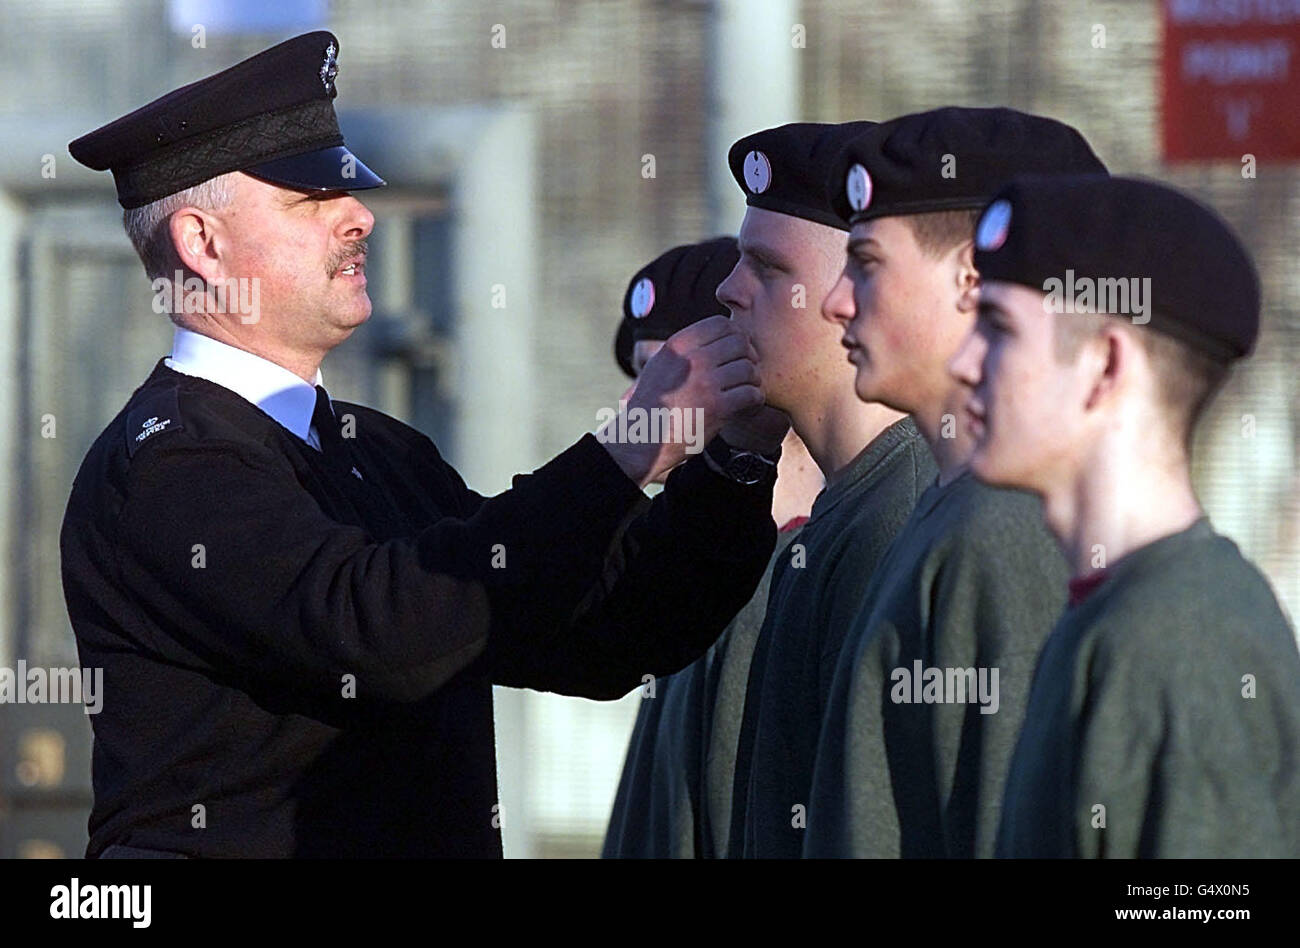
147,226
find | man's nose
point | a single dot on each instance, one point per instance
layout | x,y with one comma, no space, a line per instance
967,364
838,305
356,221
726,293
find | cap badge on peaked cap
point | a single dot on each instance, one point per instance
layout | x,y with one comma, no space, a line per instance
330,68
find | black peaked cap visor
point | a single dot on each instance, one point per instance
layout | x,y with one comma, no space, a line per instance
326,169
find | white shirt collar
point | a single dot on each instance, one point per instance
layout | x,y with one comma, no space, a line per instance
280,393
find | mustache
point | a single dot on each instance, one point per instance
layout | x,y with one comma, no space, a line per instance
357,248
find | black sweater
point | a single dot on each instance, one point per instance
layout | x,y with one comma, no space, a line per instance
298,661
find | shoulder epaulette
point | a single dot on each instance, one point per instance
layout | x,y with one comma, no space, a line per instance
158,412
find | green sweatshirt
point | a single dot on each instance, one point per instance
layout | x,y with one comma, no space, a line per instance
674,796
1164,718
930,690
816,590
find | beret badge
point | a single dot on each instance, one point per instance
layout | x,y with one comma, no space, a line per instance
991,233
857,186
643,298
758,172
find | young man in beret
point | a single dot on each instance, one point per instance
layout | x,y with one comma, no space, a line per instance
873,457
674,796
300,608
1164,718
930,689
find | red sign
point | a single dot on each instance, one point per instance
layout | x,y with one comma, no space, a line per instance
1231,79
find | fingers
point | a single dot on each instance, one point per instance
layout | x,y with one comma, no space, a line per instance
717,339
728,348
741,398
737,372
701,333
711,364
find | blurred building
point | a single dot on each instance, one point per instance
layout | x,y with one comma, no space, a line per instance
538,152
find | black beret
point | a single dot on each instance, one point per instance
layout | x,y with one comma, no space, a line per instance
949,159
784,169
676,289
271,116
623,346
1203,286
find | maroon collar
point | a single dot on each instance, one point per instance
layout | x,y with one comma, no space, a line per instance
1082,586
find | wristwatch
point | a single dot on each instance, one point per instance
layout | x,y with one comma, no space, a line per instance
742,466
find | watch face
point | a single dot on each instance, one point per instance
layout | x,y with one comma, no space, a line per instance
746,467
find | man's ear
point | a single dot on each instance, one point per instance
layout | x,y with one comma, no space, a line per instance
1108,359
968,278
194,238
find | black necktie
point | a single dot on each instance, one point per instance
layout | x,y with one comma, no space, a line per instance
375,508
327,430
